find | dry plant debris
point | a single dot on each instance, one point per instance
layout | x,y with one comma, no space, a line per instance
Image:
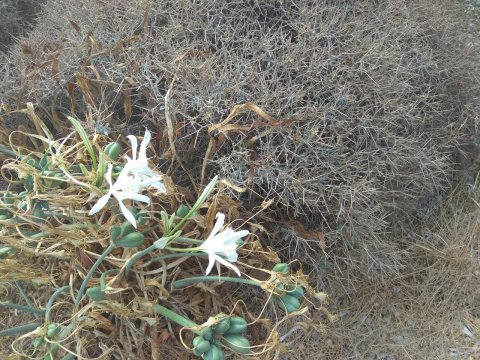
367,101
339,124
98,278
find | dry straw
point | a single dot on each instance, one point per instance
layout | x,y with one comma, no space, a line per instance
134,278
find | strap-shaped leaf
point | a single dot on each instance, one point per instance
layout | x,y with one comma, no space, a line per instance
83,135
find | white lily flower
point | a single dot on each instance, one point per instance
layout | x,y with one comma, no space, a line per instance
222,244
126,187
138,166
134,177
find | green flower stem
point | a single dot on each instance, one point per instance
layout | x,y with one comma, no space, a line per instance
22,329
34,311
19,286
176,255
102,257
183,250
171,256
51,301
201,199
42,234
159,244
183,221
10,153
137,256
173,316
185,282
182,240
102,277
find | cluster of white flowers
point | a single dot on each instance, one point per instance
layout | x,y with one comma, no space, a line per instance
222,243
136,176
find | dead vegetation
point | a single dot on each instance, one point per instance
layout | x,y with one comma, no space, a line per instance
369,99
363,110
17,17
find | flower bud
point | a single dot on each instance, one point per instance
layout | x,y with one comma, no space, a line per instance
6,251
8,198
222,326
197,340
115,233
215,353
238,325
95,293
53,329
32,162
39,215
131,240
289,303
182,210
202,347
207,334
43,161
127,228
38,342
117,168
237,343
281,268
298,292
113,150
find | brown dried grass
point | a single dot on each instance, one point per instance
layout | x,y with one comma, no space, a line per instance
372,98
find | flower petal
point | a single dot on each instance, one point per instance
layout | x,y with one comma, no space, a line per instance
159,186
231,236
211,262
218,225
134,142
108,175
142,155
128,215
137,197
100,204
227,264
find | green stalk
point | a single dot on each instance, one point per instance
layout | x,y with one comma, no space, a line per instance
22,329
185,282
52,299
24,296
183,250
137,256
10,153
201,199
181,239
176,255
102,257
9,305
173,316
102,277
171,256
159,244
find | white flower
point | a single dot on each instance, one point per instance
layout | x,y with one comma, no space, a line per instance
126,187
224,244
139,166
134,177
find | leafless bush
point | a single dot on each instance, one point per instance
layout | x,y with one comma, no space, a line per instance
430,310
370,97
16,18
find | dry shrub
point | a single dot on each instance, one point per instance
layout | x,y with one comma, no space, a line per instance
55,252
16,18
421,313
369,97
